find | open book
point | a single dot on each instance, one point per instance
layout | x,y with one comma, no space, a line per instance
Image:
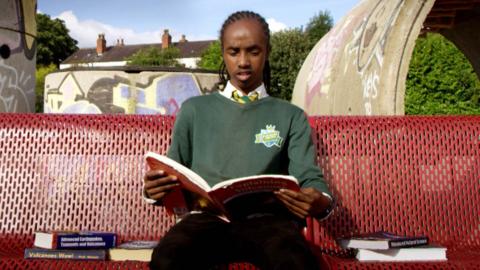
227,198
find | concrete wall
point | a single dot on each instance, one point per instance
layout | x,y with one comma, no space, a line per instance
18,31
96,64
118,91
187,62
360,66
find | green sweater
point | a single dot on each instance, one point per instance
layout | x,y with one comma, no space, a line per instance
220,139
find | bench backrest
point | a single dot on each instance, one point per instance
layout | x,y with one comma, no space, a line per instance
76,172
409,175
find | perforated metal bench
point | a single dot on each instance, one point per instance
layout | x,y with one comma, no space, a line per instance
411,175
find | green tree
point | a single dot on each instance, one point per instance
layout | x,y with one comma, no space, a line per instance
440,80
318,26
154,56
54,44
289,50
211,58
40,74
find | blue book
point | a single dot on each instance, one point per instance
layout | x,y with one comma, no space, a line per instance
75,240
40,253
382,240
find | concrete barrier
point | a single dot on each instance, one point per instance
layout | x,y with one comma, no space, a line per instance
360,66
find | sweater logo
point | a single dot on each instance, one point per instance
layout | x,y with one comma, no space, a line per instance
269,137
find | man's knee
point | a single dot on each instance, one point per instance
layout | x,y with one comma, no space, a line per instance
169,253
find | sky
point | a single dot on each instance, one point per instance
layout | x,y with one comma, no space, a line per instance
143,21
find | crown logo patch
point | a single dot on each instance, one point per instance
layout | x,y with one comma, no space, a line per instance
269,137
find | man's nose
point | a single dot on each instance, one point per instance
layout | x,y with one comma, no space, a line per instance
244,60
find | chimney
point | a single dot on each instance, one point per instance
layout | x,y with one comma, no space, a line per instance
101,44
166,39
183,39
120,42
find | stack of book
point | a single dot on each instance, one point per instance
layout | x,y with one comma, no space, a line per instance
73,245
87,245
385,246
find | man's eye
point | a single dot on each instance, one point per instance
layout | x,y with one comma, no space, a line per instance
254,51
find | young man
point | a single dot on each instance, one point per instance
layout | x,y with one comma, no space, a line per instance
219,136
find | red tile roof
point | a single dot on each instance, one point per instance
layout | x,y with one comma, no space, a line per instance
119,53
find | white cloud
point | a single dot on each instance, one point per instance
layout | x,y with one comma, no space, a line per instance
275,25
86,32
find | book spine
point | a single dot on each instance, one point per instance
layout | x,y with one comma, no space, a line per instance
408,242
36,253
94,241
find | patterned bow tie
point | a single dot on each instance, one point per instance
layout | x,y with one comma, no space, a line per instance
245,98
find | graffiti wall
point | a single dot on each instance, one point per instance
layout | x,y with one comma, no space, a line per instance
117,91
18,30
360,66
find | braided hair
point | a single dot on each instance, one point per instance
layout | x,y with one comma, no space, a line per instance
237,16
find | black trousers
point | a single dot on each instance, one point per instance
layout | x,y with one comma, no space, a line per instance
203,241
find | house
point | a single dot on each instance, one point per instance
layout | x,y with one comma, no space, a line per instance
114,56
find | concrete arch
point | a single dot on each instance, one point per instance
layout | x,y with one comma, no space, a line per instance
360,66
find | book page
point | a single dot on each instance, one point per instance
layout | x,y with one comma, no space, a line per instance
230,189
170,166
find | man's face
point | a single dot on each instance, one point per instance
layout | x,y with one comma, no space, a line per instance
245,51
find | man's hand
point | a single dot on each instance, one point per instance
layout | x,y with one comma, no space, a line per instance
157,184
307,202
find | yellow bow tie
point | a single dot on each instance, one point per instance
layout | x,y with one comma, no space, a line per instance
245,98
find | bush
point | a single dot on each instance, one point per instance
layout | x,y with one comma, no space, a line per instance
440,80
154,56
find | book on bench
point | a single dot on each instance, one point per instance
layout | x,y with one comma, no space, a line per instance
66,254
137,250
75,239
382,240
227,198
416,253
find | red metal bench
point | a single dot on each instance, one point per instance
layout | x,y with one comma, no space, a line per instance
404,174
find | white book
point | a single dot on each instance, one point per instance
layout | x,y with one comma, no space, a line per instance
420,253
133,251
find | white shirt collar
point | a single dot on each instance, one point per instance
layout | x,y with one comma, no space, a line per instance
229,88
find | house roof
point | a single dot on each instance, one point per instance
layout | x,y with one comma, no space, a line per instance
187,49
